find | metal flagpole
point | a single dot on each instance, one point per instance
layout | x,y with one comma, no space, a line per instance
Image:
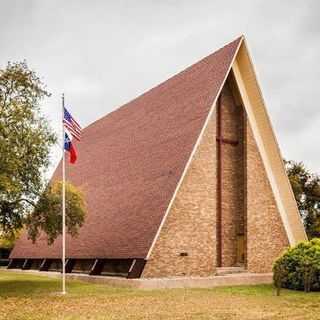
63,206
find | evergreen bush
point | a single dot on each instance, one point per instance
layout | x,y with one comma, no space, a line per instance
299,267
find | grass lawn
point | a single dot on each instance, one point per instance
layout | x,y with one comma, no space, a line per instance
25,296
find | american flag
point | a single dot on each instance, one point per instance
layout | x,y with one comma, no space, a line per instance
71,125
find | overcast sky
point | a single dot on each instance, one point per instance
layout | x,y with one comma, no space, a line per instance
103,54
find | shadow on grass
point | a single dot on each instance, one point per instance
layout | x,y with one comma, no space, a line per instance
16,284
18,287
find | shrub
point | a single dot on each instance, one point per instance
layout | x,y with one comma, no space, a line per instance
299,267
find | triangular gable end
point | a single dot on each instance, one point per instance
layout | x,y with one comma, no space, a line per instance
281,206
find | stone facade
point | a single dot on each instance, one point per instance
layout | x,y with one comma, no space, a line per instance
190,225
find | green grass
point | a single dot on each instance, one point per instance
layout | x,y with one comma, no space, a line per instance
26,296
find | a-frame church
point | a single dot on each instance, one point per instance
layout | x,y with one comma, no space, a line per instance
181,181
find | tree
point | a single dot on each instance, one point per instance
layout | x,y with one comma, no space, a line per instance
7,242
50,221
306,189
25,142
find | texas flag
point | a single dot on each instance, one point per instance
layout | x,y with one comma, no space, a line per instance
72,127
68,146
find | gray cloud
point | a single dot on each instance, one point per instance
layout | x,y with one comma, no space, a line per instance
104,53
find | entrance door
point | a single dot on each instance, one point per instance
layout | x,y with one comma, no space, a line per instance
240,250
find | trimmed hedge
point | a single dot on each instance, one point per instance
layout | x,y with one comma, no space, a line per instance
299,267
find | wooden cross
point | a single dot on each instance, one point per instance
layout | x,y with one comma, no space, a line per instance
227,141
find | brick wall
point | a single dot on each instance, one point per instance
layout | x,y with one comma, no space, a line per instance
248,206
190,225
266,237
232,167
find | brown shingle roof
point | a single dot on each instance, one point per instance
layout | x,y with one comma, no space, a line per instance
131,160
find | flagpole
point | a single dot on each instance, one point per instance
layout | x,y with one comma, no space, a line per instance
63,206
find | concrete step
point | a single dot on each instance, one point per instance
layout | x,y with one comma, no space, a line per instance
229,270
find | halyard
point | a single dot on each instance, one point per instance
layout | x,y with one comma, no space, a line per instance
25,296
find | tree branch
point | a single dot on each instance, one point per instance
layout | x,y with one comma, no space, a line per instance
25,200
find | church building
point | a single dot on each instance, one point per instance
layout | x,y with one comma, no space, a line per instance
182,181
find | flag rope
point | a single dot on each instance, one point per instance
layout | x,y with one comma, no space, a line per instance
63,205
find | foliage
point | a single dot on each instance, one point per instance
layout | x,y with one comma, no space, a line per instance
299,267
50,221
25,141
306,189
7,241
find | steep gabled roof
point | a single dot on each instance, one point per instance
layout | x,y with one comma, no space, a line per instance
130,163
